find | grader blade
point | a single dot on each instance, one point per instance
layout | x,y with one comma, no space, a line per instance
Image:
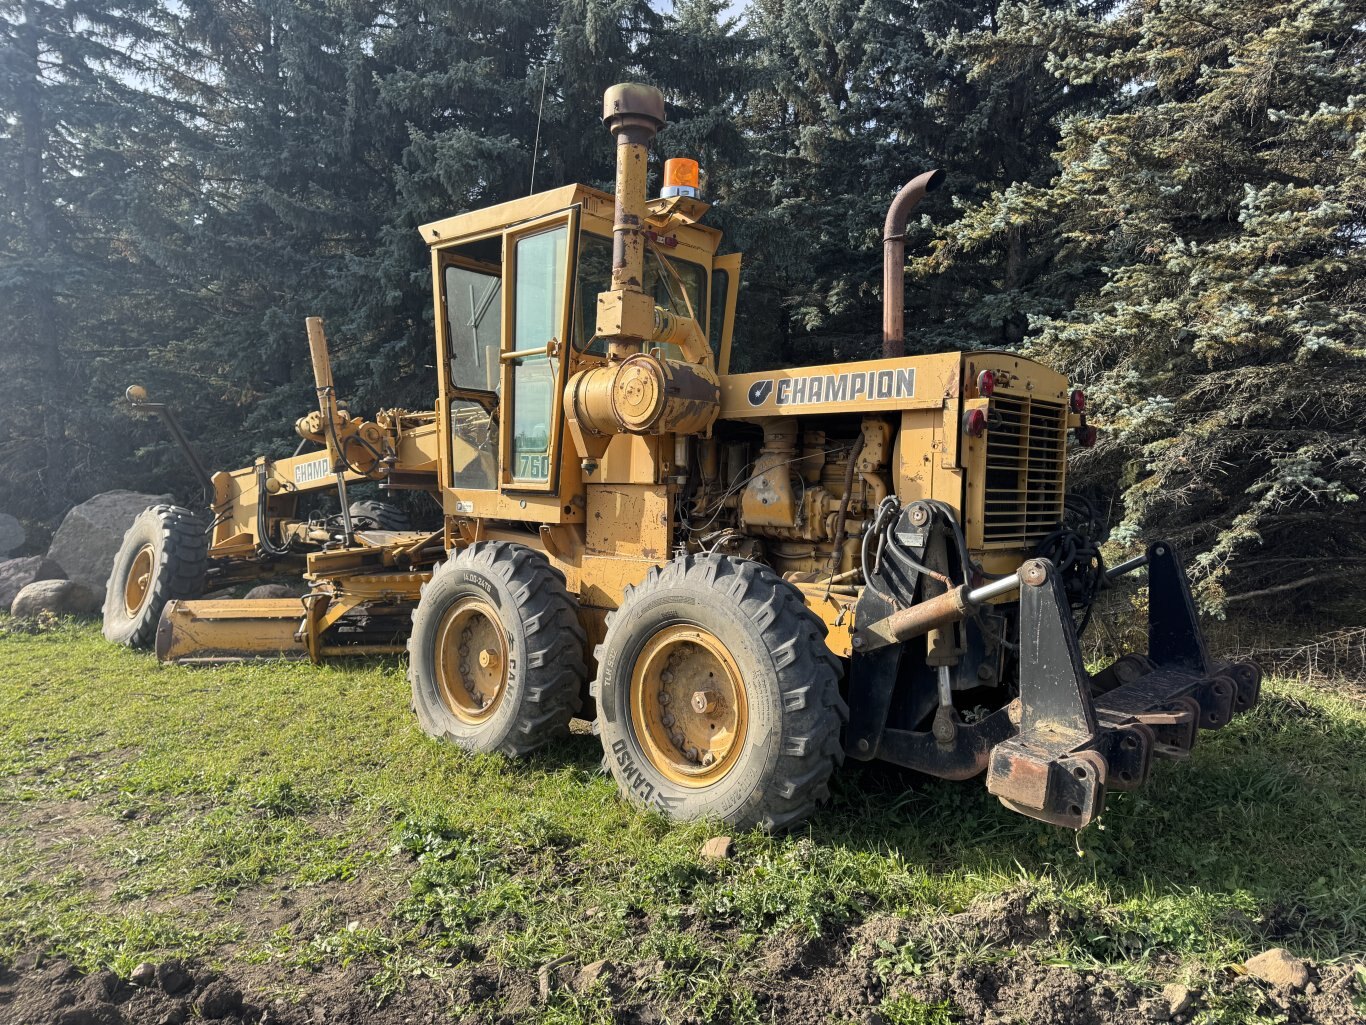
231,630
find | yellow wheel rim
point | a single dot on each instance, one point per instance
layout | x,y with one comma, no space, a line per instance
471,660
139,582
689,705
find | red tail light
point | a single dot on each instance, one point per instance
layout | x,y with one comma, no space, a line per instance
1086,436
986,384
1078,401
974,423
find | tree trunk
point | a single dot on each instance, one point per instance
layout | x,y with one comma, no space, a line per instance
40,299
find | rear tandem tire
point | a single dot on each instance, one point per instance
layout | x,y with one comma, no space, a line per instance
496,655
164,556
717,696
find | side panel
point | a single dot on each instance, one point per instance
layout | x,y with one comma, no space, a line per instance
629,520
866,387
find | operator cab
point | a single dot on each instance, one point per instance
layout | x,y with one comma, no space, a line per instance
511,283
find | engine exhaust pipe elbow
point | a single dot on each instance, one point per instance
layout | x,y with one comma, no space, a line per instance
894,260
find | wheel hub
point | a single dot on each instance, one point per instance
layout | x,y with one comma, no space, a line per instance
689,705
471,660
139,582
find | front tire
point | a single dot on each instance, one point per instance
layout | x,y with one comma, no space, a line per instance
496,655
164,556
717,697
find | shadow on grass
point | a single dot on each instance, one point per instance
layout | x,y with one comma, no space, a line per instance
1271,807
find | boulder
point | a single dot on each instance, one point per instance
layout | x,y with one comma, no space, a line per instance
12,533
272,591
60,597
90,535
15,574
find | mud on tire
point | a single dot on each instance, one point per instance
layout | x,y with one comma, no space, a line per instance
163,557
516,591
791,741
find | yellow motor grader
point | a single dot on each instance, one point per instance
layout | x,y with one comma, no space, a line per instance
742,579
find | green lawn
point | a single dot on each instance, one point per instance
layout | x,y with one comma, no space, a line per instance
291,817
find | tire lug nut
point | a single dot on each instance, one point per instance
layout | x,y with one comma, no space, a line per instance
664,697
678,739
691,754
666,677
668,719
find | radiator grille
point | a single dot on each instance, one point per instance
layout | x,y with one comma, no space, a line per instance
1026,464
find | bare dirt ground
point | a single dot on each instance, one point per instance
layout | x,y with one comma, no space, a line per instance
827,980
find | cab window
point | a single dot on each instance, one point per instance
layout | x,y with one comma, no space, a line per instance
473,291
538,312
595,275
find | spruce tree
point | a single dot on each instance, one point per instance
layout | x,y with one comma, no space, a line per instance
1205,240
69,93
854,101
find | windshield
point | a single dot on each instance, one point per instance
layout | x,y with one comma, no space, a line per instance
595,275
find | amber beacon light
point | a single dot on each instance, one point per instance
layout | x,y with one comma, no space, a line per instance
680,178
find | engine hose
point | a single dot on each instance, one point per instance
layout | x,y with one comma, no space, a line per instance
946,510
263,540
1081,567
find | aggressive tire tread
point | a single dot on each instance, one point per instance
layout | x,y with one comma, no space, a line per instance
793,638
182,559
553,662
380,516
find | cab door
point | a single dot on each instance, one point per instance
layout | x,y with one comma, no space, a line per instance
538,275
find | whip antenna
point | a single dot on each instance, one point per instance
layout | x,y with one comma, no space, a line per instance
536,145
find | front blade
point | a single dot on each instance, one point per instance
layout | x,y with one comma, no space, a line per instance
230,630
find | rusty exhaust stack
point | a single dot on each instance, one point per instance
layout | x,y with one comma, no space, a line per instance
894,261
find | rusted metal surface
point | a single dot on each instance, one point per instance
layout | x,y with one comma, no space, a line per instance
894,261
634,114
933,613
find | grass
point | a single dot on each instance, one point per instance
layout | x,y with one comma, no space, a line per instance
158,810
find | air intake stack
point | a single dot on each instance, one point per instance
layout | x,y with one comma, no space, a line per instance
639,392
626,313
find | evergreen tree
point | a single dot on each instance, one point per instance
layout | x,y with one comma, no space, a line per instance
68,96
856,100
1206,239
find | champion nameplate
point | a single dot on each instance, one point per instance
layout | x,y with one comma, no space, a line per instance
314,469
847,387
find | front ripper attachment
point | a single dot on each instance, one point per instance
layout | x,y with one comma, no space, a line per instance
1079,734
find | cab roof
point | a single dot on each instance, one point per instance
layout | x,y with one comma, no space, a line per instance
678,215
